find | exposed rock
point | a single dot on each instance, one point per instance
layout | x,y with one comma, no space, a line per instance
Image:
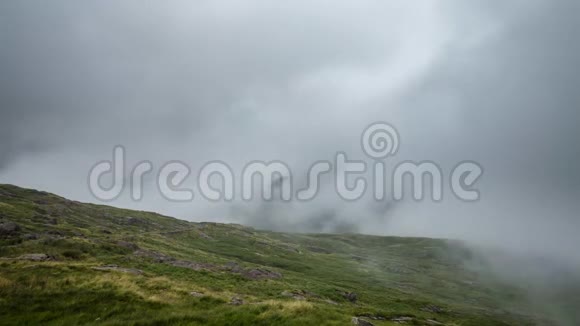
402,319
233,267
136,221
350,296
30,236
162,258
9,228
293,295
433,322
253,274
36,257
256,274
360,322
373,317
119,269
236,301
300,294
203,235
196,294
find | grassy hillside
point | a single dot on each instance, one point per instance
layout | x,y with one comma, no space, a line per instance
64,262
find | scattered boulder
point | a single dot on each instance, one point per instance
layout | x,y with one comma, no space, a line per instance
41,202
37,257
258,274
196,294
118,269
236,301
350,296
156,256
402,319
360,322
300,294
233,267
373,317
9,228
433,322
293,295
135,221
30,236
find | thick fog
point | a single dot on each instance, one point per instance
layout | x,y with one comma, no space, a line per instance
298,81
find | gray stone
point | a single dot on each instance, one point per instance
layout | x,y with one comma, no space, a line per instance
360,322
36,257
9,228
402,319
258,274
30,236
350,296
236,301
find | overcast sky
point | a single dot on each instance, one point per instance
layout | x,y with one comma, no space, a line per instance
493,82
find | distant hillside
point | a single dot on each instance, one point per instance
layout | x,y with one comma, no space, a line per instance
65,262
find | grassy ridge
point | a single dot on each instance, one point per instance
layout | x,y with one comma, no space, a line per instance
119,267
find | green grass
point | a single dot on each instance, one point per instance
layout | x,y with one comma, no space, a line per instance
391,276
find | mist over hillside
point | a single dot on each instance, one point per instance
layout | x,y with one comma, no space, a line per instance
187,83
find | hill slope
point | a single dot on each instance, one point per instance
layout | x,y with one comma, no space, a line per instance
64,262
